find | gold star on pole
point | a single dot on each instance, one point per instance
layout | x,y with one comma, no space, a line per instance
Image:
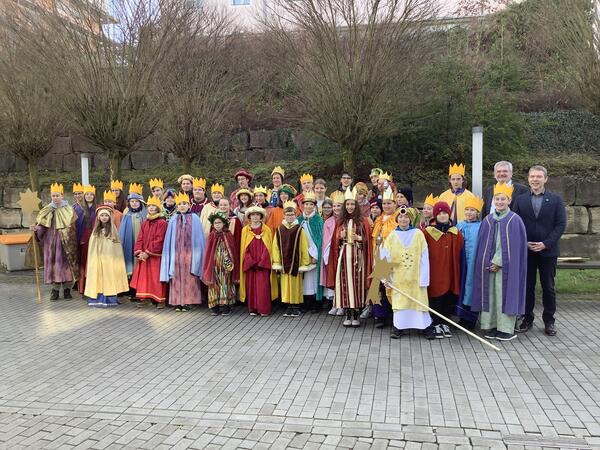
382,270
29,202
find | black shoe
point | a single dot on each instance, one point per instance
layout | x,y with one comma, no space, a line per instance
491,334
379,323
288,312
524,326
295,312
225,310
67,294
430,332
214,311
54,295
505,336
396,333
550,329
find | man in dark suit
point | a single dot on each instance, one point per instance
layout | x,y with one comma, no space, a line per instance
545,219
503,171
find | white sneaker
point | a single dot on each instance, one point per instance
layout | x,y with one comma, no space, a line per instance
340,312
367,312
332,311
446,330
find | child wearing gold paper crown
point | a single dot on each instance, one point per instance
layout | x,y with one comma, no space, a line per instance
182,261
106,275
469,229
148,250
55,227
427,211
116,187
134,216
86,217
458,194
110,199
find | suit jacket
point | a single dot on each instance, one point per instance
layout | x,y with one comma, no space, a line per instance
548,226
488,196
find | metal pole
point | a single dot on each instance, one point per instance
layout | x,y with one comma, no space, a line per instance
477,162
85,169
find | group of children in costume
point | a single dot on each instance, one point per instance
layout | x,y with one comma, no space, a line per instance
306,249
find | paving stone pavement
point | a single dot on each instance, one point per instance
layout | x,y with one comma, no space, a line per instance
78,377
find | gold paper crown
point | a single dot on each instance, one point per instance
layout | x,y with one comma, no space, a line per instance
116,184
337,197
279,170
388,194
77,187
503,188
456,169
155,201
289,204
386,176
430,200
181,197
475,203
310,197
306,177
110,197
199,183
260,189
155,182
350,194
55,187
217,188
243,191
88,188
135,188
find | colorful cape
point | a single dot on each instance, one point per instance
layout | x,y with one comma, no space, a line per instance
315,225
213,240
105,271
267,238
167,262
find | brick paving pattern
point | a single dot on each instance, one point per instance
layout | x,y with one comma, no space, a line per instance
79,377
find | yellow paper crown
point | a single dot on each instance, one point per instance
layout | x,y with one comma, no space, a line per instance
260,189
337,197
135,188
77,187
217,188
155,201
155,182
289,204
474,202
388,194
199,183
430,200
116,184
181,197
306,177
278,170
55,187
310,197
350,194
456,169
88,188
503,188
386,176
110,197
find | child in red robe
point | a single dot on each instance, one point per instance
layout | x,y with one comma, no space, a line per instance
258,284
148,250
445,243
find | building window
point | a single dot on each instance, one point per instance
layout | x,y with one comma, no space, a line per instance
240,2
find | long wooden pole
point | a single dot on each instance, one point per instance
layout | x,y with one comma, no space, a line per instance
36,261
483,341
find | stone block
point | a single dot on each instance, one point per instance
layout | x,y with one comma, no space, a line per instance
586,245
72,162
11,197
260,138
80,144
146,159
565,187
7,161
100,161
578,220
52,161
10,218
240,141
20,165
594,220
588,193
62,145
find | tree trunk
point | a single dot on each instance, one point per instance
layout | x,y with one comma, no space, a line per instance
187,164
115,166
34,179
348,160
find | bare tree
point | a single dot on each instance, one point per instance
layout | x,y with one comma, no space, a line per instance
201,88
573,28
29,117
347,65
110,63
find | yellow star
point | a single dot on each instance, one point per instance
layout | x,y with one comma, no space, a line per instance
29,202
382,270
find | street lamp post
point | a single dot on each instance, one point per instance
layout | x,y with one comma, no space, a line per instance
477,162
